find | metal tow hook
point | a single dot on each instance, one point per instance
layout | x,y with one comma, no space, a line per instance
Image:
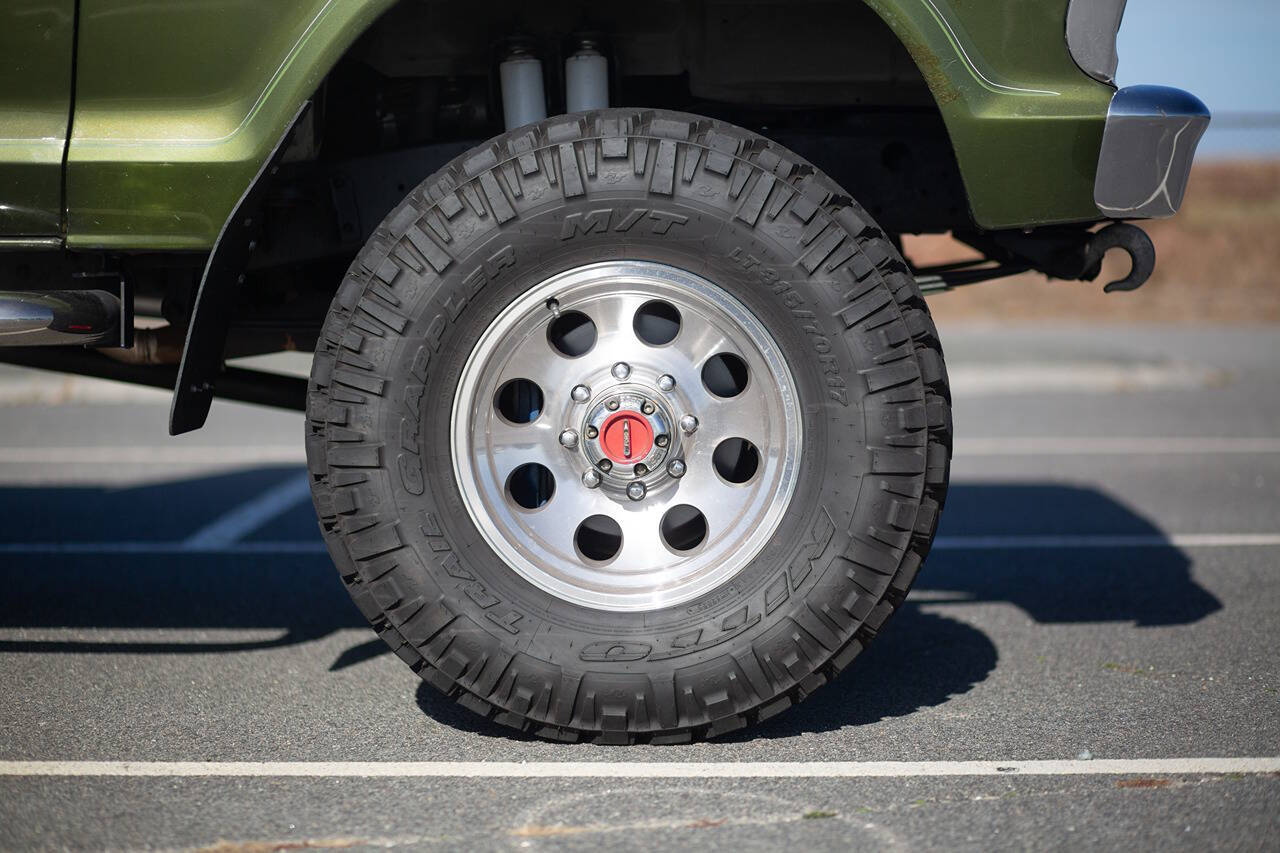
1134,241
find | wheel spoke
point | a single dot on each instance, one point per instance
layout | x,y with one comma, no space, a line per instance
533,358
508,447
612,314
723,504
617,341
642,545
557,521
744,416
699,339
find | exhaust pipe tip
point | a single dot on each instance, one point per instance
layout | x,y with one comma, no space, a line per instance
62,318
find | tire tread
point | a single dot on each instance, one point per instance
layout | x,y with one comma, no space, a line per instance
884,312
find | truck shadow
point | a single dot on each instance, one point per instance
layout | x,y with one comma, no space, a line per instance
932,652
929,655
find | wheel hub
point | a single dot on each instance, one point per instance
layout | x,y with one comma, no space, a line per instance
627,434
626,437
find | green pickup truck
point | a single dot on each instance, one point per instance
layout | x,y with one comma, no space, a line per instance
627,420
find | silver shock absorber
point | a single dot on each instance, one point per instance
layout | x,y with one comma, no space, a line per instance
586,78
523,98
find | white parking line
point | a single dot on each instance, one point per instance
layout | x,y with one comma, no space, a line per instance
1103,446
942,543
978,379
644,769
164,454
231,527
299,546
1176,540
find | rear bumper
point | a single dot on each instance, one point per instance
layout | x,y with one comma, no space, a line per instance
1148,143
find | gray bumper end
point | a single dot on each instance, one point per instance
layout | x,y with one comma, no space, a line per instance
1147,146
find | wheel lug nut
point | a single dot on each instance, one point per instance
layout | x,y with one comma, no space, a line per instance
646,407
666,382
605,465
612,405
592,432
689,424
636,491
662,440
590,478
580,393
676,468
621,371
641,469
569,439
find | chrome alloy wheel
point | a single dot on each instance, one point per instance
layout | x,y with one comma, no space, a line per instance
626,435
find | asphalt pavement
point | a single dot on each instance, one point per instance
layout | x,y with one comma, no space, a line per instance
1088,659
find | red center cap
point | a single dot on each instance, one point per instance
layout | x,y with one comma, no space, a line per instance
626,437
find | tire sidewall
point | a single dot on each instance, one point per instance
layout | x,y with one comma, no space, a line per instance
766,264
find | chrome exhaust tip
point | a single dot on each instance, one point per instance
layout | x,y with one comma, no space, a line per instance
62,318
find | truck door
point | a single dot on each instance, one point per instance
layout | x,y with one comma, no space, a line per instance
37,39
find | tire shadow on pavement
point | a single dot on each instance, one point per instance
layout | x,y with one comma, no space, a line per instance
1145,586
926,658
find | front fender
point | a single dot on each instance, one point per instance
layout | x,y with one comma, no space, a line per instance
1024,120
179,103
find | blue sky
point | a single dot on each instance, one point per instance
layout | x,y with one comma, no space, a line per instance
1227,52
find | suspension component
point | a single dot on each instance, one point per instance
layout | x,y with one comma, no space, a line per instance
586,78
524,100
1069,252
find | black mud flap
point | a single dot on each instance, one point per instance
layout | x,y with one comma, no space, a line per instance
216,298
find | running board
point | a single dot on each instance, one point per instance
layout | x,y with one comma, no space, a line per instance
94,318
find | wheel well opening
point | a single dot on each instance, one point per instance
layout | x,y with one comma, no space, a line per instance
826,78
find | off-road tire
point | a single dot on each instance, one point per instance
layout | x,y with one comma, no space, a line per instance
686,191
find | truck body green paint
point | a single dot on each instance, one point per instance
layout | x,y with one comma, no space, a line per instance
178,104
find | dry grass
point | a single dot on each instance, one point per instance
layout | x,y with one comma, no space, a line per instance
1217,261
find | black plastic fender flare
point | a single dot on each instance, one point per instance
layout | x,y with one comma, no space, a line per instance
201,365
